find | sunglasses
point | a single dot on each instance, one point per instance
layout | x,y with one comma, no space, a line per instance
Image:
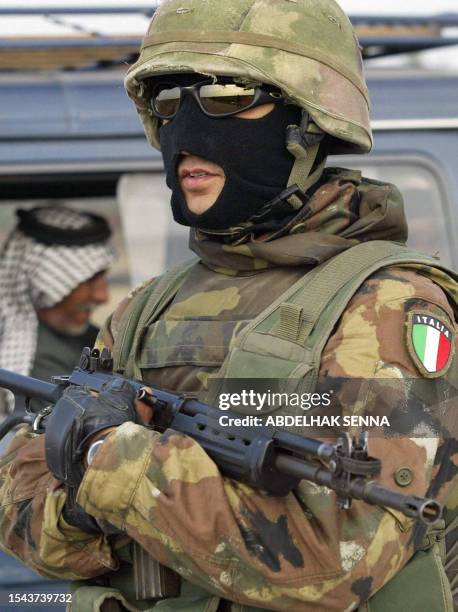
214,99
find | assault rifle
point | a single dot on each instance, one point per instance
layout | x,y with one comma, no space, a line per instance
275,461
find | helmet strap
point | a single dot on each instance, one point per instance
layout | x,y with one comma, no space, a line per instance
303,142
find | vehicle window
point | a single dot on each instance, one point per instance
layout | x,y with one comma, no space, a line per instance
154,241
119,275
424,195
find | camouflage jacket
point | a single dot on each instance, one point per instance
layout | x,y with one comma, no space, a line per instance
298,552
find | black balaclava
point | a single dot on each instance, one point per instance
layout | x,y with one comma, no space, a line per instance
252,153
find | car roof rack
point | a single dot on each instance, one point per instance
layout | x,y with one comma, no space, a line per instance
73,43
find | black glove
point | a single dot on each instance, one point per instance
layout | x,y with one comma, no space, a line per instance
76,417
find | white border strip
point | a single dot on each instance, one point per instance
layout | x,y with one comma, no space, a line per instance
415,124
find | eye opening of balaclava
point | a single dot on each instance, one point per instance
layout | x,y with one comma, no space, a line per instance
251,152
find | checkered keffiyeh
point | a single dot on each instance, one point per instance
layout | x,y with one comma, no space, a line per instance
35,276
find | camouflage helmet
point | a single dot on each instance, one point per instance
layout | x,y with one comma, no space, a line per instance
307,48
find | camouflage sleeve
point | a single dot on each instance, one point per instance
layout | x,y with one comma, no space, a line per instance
373,333
278,553
31,524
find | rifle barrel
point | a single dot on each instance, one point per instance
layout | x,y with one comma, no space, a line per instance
427,510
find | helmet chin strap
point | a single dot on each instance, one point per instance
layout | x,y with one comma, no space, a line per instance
303,142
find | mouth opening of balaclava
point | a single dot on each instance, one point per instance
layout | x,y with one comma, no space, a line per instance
251,152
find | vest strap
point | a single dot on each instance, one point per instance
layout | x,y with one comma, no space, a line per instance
342,275
145,306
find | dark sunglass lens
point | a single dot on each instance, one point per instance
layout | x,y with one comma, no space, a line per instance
166,99
223,99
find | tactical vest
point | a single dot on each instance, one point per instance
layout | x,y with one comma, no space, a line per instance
298,324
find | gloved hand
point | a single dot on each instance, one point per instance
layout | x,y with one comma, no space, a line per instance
76,417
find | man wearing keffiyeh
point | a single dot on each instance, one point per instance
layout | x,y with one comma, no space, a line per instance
52,274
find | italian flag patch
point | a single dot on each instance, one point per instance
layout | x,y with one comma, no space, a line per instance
430,343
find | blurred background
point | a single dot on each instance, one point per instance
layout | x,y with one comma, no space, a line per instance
69,134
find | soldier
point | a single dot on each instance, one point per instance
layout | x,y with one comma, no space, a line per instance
298,275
